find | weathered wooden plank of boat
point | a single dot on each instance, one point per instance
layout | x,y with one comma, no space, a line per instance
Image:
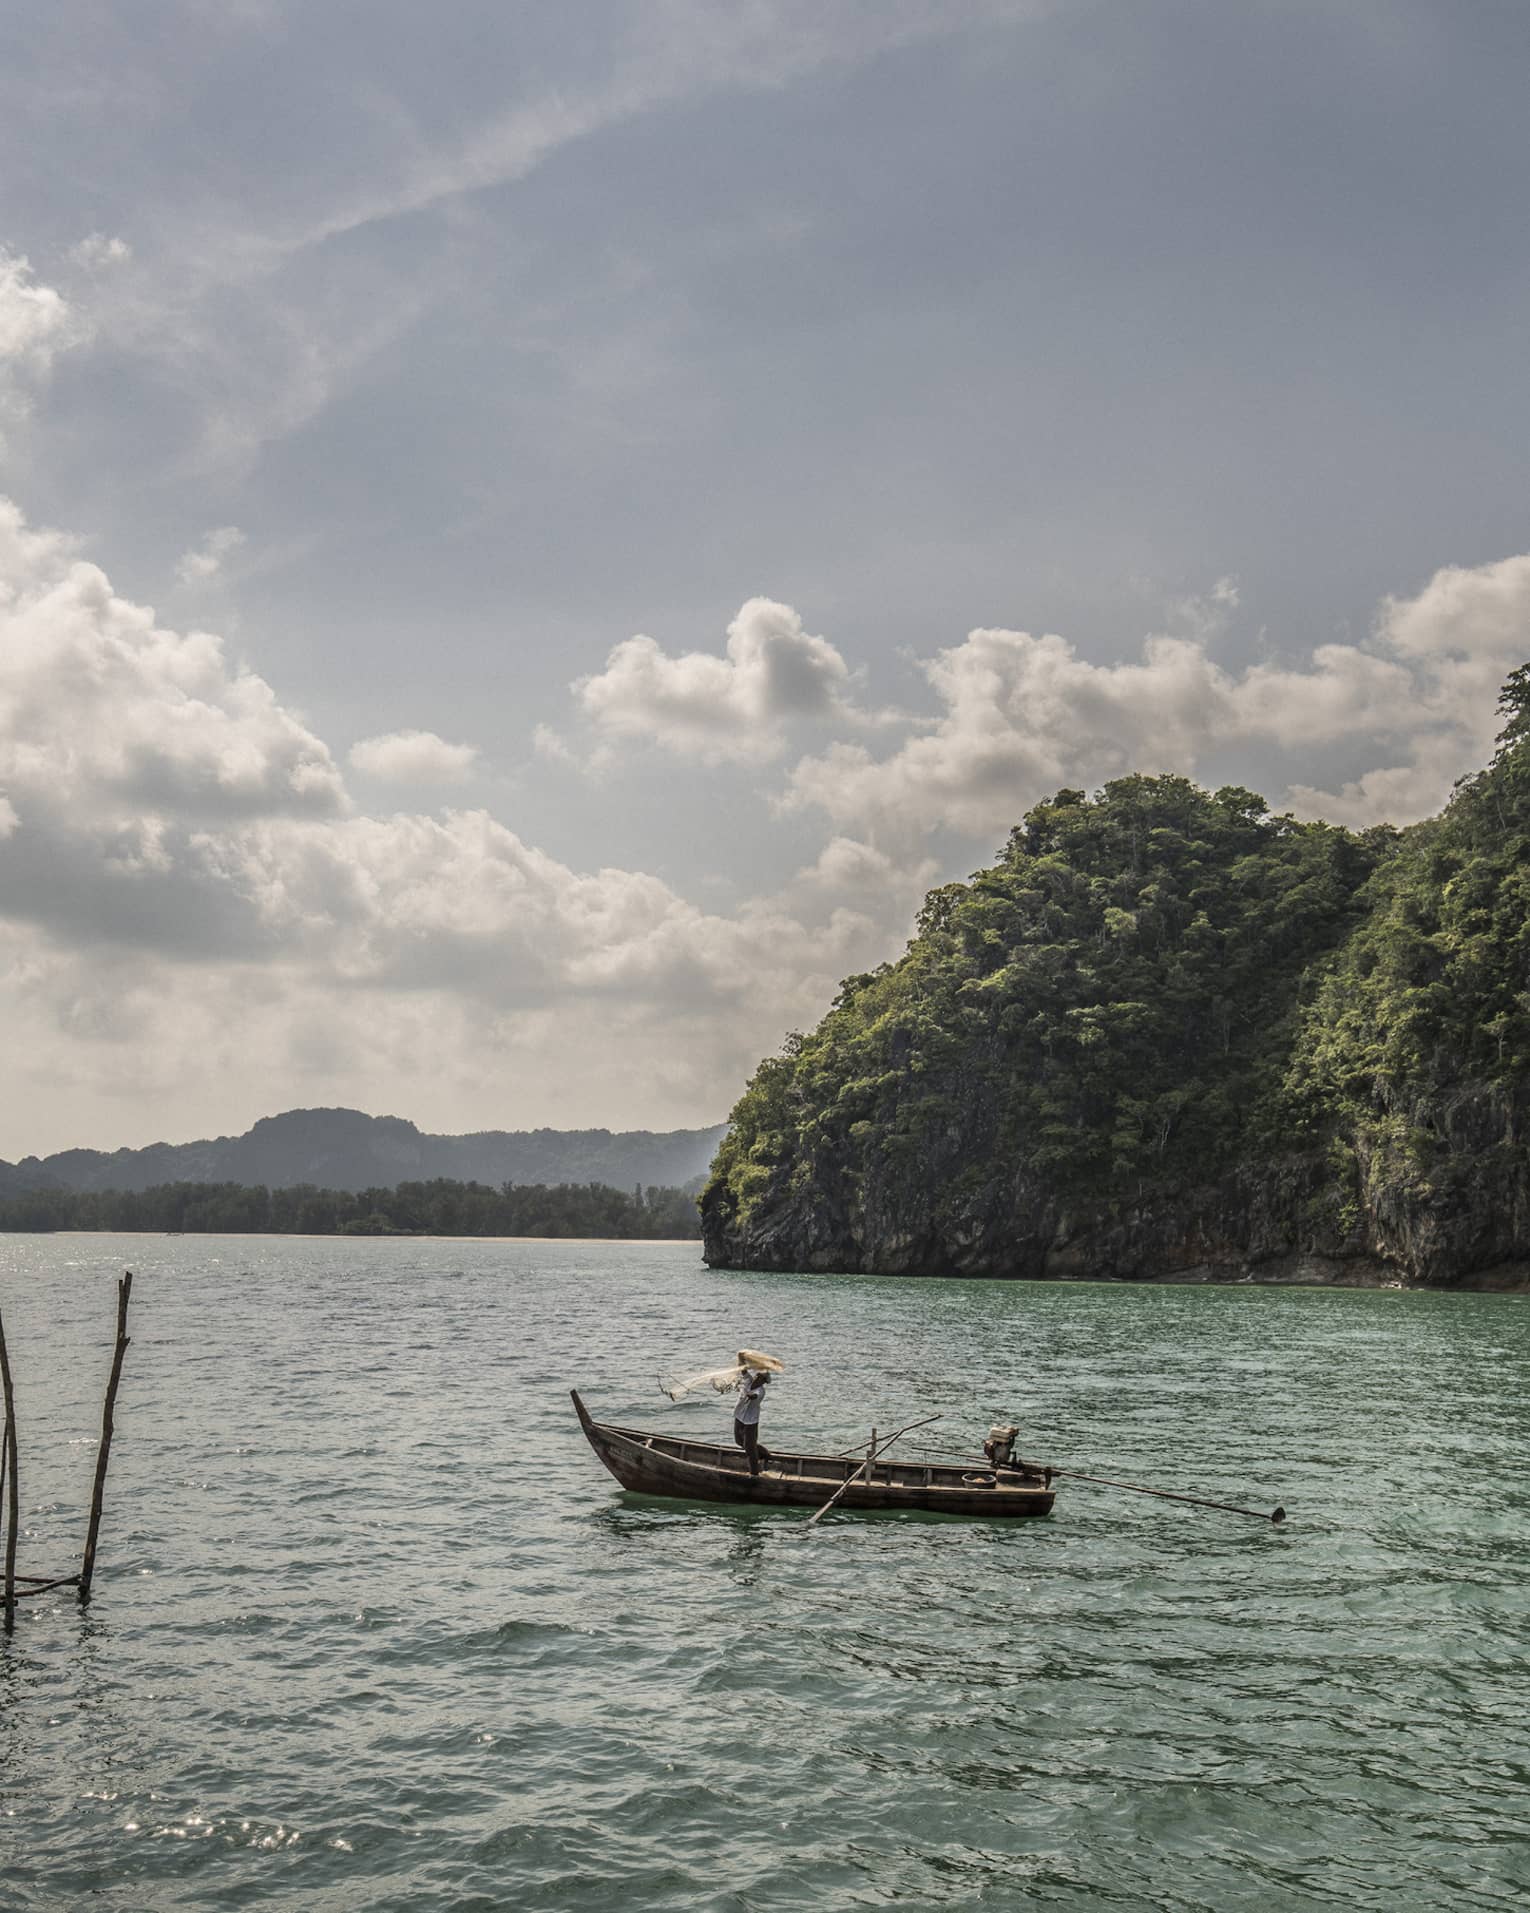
680,1469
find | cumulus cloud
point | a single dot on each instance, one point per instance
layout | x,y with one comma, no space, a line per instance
185,888
189,895
734,707
206,560
414,757
119,738
134,759
1020,715
1453,645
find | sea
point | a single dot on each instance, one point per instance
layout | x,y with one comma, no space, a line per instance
372,1629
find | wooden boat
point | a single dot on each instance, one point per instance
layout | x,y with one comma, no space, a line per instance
684,1470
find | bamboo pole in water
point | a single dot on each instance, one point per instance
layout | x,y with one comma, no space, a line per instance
88,1566
12,1492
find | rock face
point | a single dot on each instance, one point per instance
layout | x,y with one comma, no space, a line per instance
345,1149
1285,1220
1169,1037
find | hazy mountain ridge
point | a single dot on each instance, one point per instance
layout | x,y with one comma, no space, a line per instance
347,1149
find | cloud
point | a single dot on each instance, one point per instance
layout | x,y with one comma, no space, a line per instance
100,249
442,965
1395,793
133,758
107,718
36,324
260,299
735,707
551,745
1454,644
189,896
1021,715
206,561
35,321
1464,613
414,757
675,50
186,889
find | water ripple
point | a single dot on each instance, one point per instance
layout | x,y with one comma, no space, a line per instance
373,1630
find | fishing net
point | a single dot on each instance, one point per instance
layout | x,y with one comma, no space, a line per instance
681,1388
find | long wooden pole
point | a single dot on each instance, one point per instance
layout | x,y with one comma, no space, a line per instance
871,1454
853,1476
1160,1494
103,1454
13,1494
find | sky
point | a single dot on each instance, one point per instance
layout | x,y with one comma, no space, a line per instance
530,535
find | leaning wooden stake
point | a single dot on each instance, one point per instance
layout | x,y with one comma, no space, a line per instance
88,1566
12,1496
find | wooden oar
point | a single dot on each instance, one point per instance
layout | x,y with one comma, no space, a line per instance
1161,1494
876,1449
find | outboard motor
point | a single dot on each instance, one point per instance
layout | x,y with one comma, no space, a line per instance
1000,1445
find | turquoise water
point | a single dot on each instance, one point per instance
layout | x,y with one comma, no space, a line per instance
374,1630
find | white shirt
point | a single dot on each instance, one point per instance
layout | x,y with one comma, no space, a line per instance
750,1397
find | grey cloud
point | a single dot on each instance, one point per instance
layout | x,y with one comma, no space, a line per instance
134,889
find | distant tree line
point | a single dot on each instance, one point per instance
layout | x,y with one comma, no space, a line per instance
439,1207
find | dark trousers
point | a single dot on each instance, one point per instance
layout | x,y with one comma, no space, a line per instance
747,1435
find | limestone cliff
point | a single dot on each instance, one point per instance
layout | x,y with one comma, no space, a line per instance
1171,1037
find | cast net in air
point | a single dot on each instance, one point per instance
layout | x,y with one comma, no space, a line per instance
681,1388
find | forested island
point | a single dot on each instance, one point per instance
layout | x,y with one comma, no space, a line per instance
1171,1036
439,1207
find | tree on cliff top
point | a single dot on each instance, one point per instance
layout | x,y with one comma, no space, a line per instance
1433,989
1111,1002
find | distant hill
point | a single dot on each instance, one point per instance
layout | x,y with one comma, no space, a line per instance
14,1182
345,1149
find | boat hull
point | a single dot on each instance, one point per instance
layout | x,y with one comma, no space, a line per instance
680,1470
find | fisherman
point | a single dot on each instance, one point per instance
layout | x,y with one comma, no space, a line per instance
746,1418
